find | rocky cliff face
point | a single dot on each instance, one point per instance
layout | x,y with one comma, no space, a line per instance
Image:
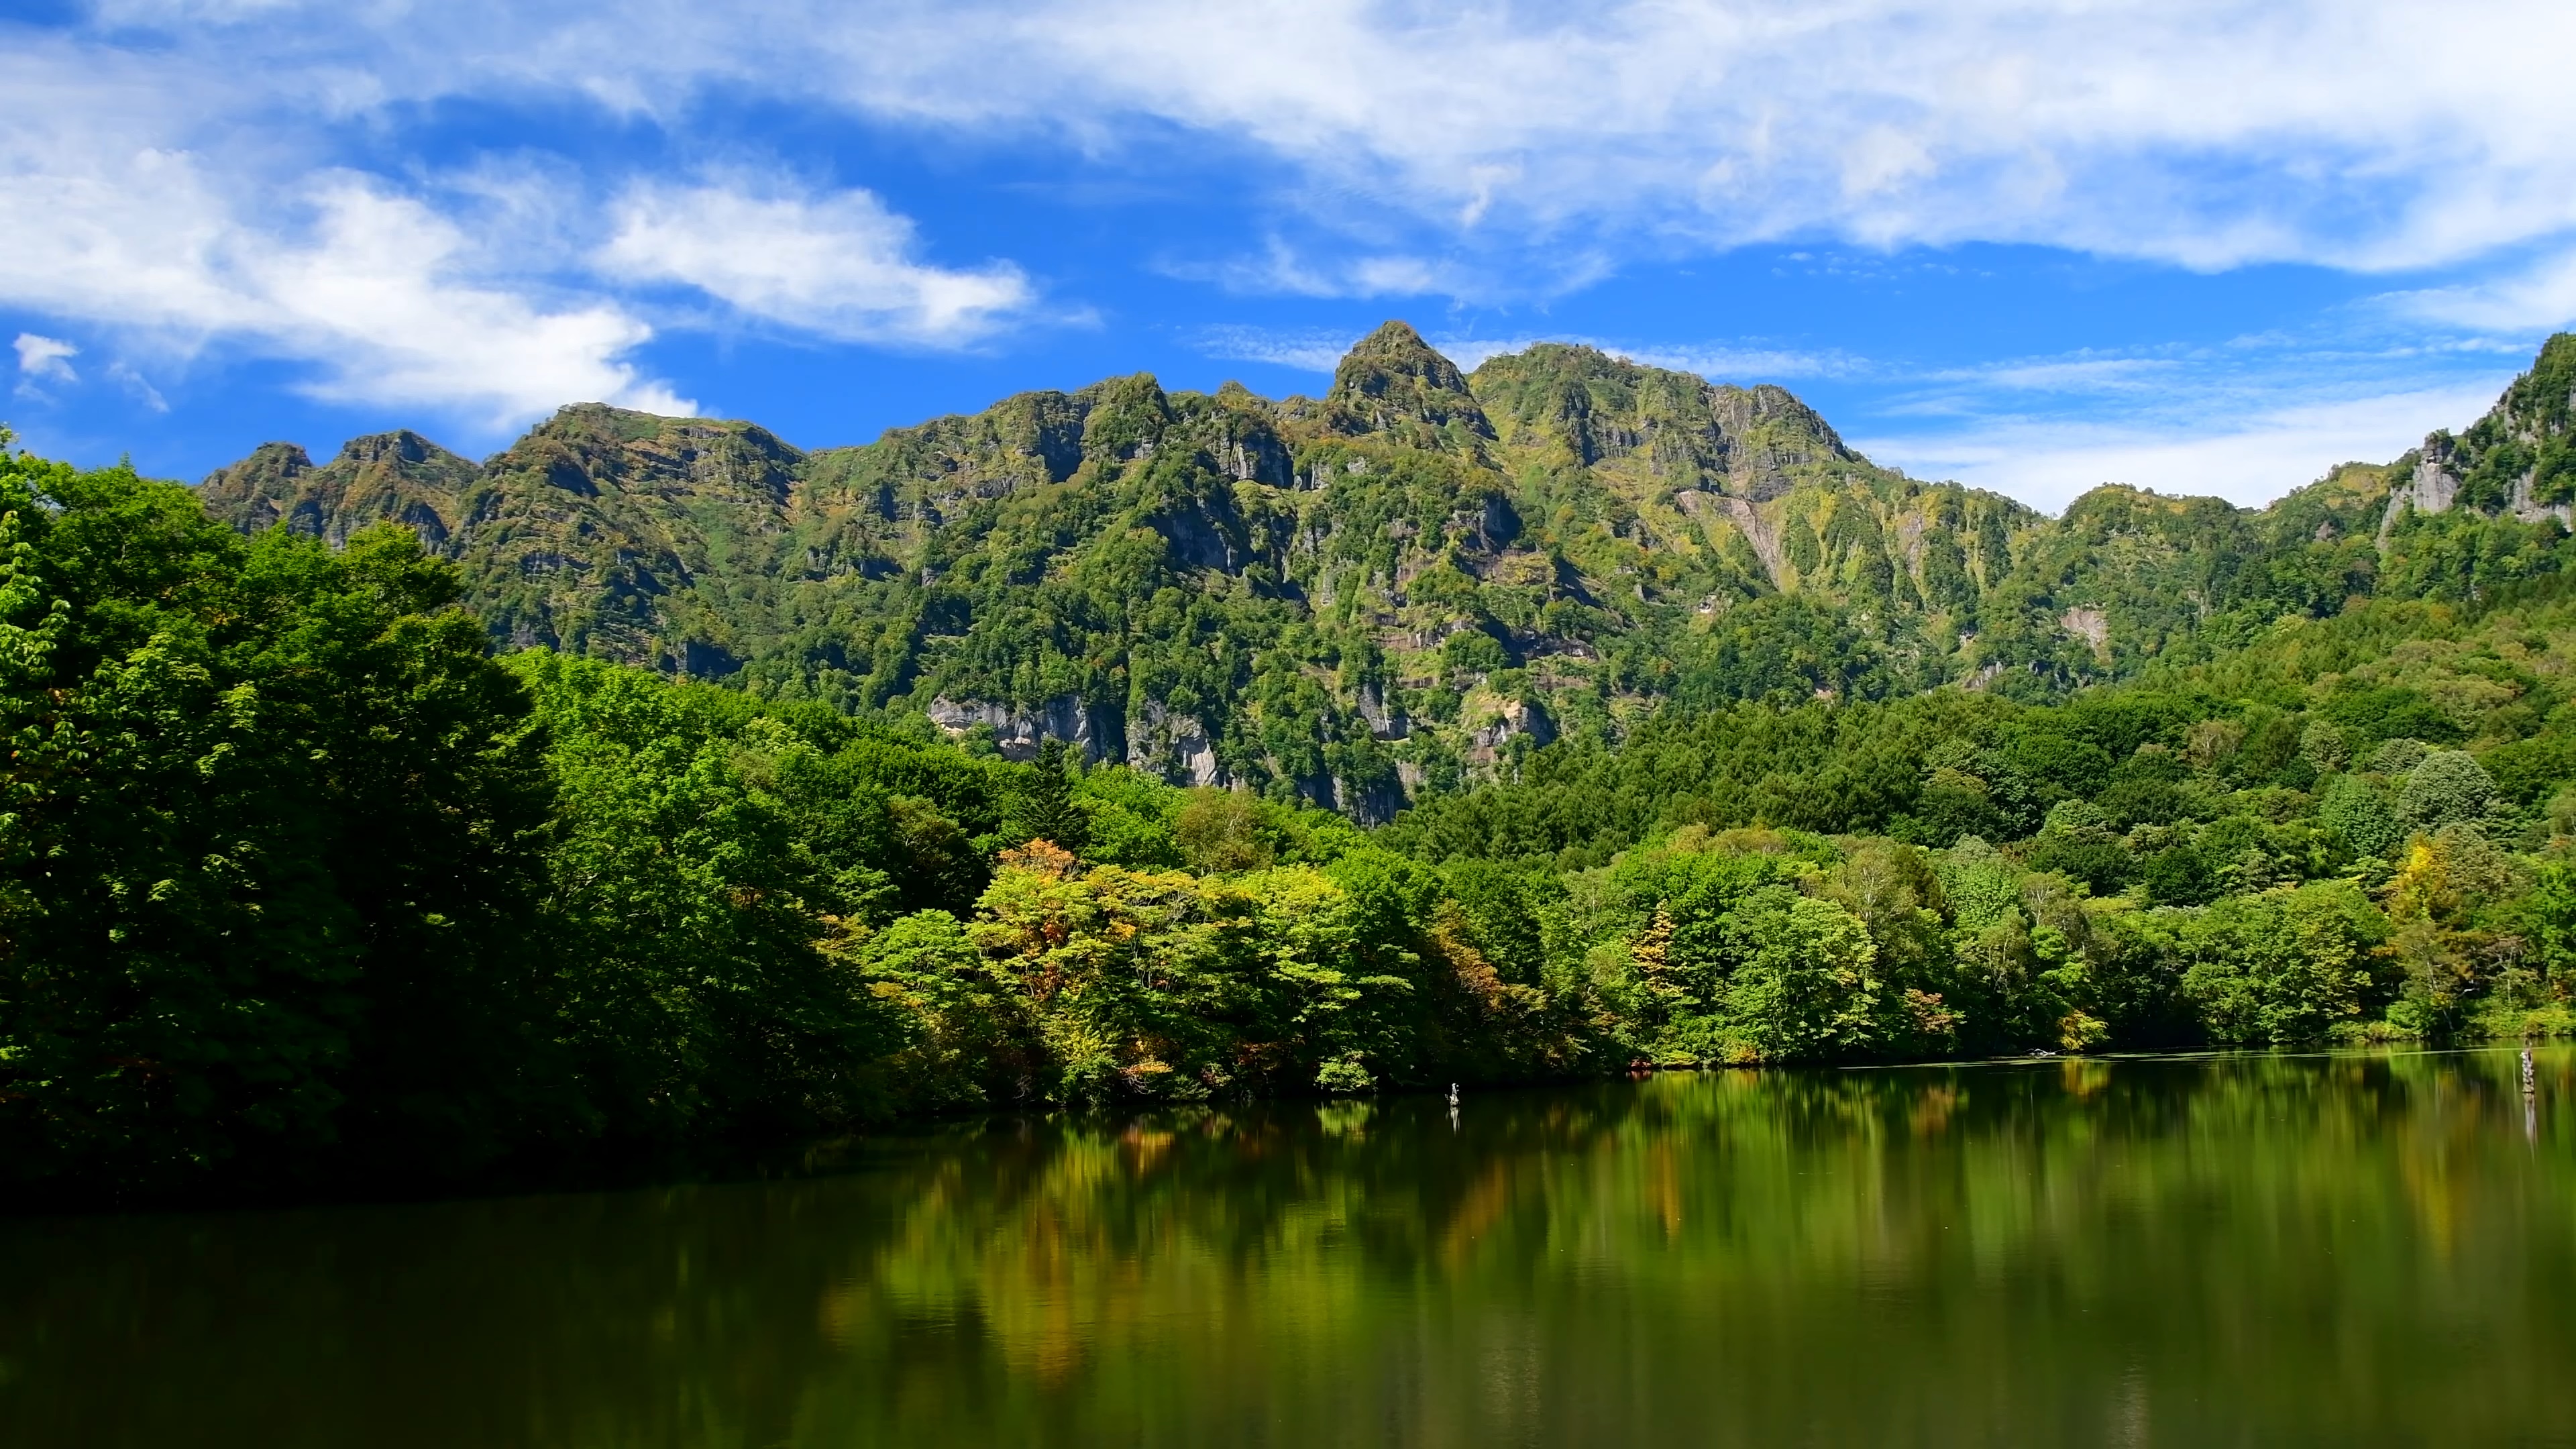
2518,461
1419,576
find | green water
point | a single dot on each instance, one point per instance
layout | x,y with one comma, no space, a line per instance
2286,1250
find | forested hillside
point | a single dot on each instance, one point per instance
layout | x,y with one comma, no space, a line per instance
1368,599
305,886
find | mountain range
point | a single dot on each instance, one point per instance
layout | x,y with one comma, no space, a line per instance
1375,595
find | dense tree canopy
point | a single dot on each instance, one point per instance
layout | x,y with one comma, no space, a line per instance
273,844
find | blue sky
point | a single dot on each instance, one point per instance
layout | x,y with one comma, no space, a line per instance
2194,245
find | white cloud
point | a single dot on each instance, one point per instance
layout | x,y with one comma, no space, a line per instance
182,152
839,265
384,296
46,359
190,212
2048,464
2364,133
385,293
1471,353
2206,131
1744,365
1717,362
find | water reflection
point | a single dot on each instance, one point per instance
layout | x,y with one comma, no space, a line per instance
2279,1249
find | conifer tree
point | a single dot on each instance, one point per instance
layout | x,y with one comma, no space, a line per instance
1045,808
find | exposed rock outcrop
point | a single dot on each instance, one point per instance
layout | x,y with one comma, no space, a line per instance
1019,733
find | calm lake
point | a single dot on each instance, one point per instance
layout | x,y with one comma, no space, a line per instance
2340,1249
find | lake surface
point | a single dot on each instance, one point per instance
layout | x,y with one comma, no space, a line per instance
2186,1251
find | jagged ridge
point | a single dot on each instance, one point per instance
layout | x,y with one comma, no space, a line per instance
1359,597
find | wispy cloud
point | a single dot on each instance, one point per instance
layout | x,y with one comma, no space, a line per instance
1742,364
2209,132
1718,362
2085,374
137,385
2540,294
1341,270
1306,349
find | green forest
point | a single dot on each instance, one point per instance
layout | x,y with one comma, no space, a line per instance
323,866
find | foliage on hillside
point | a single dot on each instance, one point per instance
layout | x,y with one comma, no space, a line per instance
301,884
2407,767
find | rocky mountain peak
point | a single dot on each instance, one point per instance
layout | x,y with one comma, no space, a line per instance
1747,442
278,461
402,446
1124,417
1392,378
398,476
260,489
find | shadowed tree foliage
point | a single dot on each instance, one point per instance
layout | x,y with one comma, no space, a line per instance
273,848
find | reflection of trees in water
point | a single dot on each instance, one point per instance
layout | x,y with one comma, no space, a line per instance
2155,1193
2339,1244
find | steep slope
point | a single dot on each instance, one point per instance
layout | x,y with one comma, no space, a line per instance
1421,574
1733,495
